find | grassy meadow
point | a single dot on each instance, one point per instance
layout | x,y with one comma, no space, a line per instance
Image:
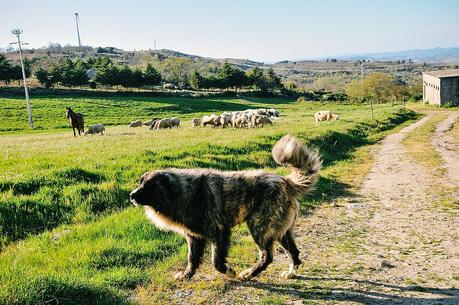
68,234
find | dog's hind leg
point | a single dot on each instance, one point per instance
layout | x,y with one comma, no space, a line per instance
220,251
265,242
264,259
196,248
288,243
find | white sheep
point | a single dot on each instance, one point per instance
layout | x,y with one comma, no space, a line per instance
242,121
97,128
224,121
263,120
326,115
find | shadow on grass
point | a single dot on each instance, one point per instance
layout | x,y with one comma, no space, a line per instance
21,216
63,177
146,105
52,290
372,292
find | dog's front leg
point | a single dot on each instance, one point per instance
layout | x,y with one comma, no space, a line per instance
220,251
196,248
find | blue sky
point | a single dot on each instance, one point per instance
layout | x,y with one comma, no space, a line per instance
260,30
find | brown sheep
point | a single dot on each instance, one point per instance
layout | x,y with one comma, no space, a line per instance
196,123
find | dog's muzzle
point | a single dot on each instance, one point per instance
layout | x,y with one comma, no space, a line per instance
131,197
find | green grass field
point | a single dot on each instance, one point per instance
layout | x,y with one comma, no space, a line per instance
67,232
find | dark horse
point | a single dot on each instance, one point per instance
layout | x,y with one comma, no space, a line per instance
76,120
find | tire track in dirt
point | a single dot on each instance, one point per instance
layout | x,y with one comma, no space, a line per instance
445,145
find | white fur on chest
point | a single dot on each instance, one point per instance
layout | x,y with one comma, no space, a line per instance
165,223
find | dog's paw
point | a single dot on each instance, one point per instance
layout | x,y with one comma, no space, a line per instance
230,273
288,274
179,276
245,275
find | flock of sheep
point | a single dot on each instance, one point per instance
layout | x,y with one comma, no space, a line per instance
157,123
250,118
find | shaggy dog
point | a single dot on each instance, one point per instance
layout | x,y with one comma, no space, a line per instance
203,205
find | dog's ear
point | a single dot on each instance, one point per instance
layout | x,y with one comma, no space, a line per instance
146,176
142,178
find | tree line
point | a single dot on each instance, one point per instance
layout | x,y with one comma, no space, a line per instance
96,71
103,71
229,76
10,72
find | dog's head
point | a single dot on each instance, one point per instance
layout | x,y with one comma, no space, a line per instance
155,188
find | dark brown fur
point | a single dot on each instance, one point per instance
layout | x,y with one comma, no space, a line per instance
204,205
76,121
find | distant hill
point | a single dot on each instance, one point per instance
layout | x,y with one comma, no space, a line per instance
435,55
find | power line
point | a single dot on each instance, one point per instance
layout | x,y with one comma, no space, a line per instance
18,33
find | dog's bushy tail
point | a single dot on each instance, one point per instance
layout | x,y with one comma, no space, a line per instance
305,164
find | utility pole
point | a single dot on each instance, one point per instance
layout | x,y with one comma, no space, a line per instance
361,84
18,32
77,18
154,41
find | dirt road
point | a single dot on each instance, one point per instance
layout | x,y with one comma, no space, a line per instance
388,244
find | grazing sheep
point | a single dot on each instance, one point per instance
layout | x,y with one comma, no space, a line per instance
242,121
262,120
224,121
326,115
163,123
135,124
196,122
175,122
260,112
207,120
212,120
273,112
233,120
154,124
97,128
150,122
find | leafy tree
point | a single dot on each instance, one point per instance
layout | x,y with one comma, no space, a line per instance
107,72
80,75
125,77
9,72
175,70
355,89
5,69
255,76
377,87
44,77
230,76
151,76
196,80
274,80
224,75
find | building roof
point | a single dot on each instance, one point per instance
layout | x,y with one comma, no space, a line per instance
443,73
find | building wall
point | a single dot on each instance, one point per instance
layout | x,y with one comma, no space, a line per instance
449,90
431,89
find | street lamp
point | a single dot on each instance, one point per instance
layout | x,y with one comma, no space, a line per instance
18,33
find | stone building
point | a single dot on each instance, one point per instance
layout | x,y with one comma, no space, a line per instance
441,87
